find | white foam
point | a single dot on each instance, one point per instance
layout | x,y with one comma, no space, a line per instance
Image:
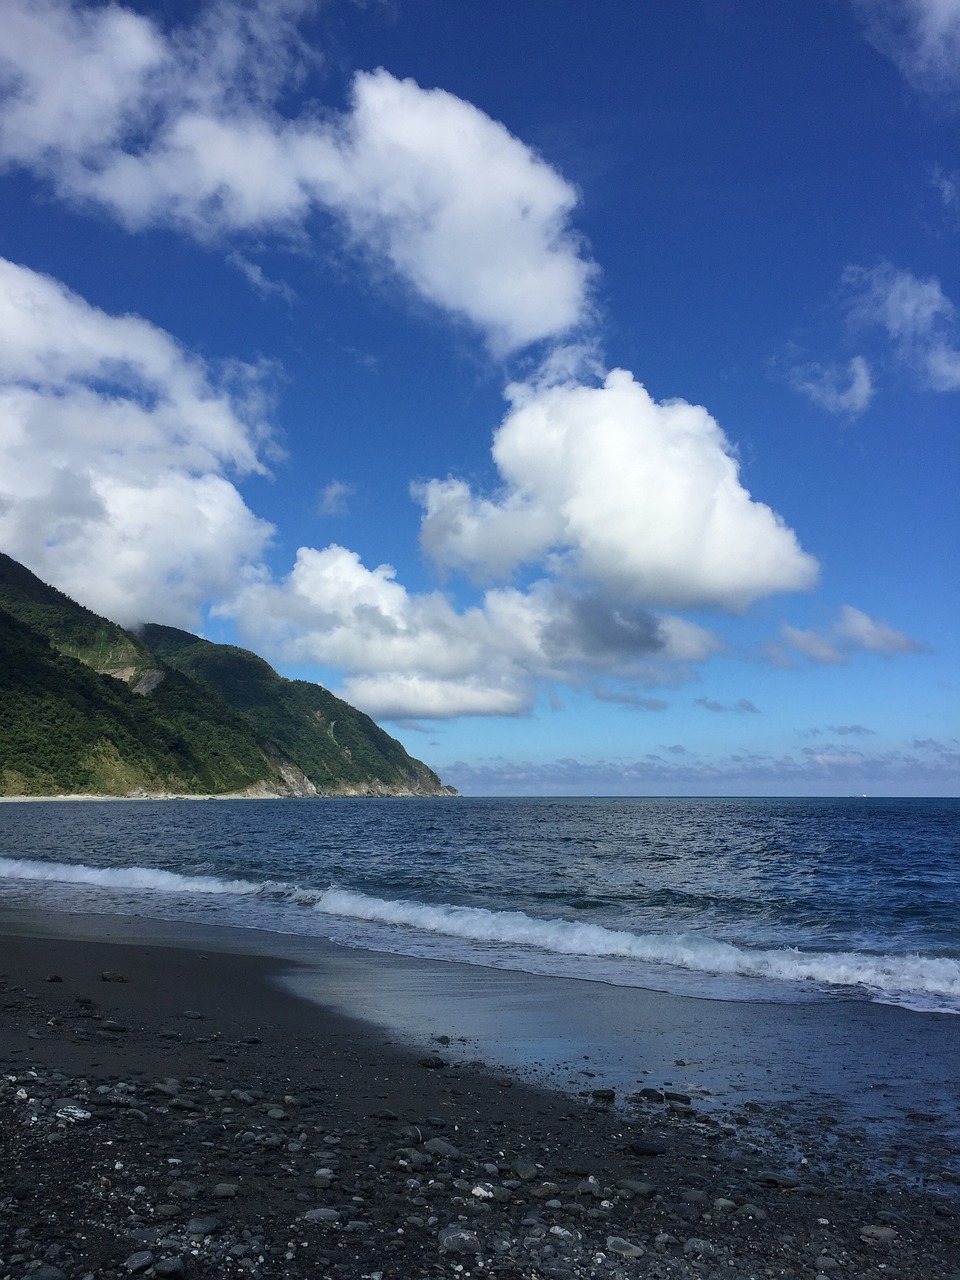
886,974
916,980
121,877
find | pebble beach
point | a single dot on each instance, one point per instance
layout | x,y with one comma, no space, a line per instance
171,1110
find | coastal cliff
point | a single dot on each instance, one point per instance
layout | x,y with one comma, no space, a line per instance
88,708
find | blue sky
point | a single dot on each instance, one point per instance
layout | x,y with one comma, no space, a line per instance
574,390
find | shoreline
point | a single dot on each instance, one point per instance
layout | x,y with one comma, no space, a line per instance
730,1193
250,793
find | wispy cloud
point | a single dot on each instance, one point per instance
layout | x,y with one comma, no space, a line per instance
851,730
744,704
334,498
846,392
632,700
923,768
917,317
259,281
853,632
922,38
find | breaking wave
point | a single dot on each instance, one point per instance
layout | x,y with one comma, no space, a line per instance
122,877
923,981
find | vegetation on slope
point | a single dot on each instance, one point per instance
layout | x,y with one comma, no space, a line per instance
72,629
87,707
66,729
333,743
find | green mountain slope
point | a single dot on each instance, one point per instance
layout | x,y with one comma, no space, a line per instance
332,742
65,729
87,707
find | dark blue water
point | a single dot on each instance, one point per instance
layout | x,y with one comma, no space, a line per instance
737,898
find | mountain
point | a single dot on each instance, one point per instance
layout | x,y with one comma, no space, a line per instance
87,707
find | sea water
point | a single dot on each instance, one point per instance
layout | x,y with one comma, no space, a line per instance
745,899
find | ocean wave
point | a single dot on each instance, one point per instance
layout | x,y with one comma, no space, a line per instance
883,974
122,877
895,977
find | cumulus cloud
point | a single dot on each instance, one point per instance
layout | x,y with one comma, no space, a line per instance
184,130
853,632
922,38
124,449
416,654
917,317
641,498
845,392
117,448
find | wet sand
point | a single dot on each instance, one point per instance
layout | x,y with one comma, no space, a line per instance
205,1117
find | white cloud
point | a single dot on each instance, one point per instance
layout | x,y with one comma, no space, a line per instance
116,447
410,654
847,392
183,130
606,485
919,319
333,498
122,446
853,632
259,281
867,635
922,37
947,186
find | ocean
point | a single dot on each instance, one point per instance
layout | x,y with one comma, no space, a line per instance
779,900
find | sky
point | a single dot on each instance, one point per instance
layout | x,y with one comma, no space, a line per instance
572,388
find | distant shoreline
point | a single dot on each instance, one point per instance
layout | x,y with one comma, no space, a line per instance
230,795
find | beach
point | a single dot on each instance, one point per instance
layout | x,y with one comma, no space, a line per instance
169,1105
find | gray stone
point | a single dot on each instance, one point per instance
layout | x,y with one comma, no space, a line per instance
454,1239
225,1190
169,1267
182,1189
626,1249
693,1195
440,1147
774,1179
138,1262
203,1226
525,1170
878,1235
642,1189
698,1247
321,1215
751,1211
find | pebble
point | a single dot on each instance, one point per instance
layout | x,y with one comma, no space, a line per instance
169,1267
454,1239
878,1235
617,1244
138,1262
546,1198
321,1215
